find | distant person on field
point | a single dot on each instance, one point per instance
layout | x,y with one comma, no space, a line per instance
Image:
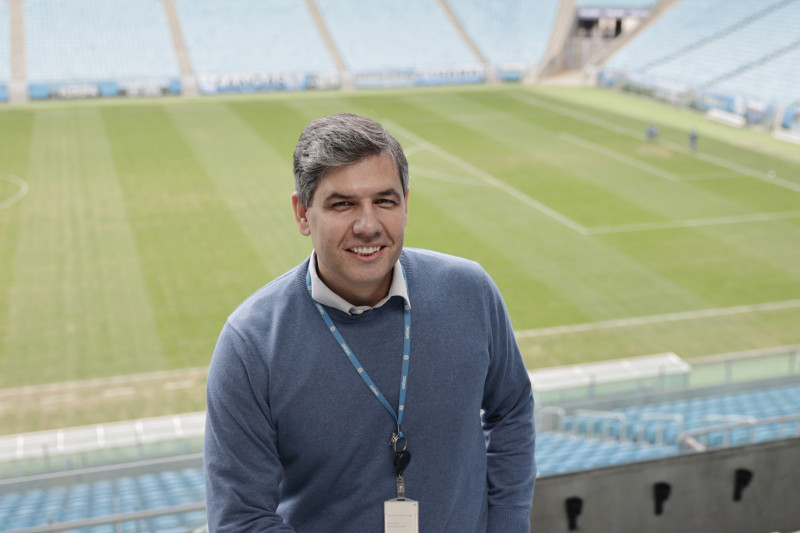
693,140
652,133
372,381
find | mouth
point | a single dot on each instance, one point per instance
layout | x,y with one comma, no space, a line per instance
365,251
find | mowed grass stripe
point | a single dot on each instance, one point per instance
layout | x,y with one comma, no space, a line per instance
15,138
77,305
253,179
198,262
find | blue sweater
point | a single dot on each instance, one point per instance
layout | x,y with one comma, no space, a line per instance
295,441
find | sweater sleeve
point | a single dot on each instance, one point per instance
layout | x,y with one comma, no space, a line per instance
243,471
508,425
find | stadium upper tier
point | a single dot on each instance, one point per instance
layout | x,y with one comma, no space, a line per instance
251,36
773,81
736,45
384,34
508,32
96,40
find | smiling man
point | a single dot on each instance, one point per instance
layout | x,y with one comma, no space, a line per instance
328,380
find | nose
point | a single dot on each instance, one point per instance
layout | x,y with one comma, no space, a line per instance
367,222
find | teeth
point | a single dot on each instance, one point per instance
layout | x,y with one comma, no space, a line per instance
366,250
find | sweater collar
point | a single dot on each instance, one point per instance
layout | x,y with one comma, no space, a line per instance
324,295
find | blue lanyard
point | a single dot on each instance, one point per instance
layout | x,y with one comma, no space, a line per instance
401,403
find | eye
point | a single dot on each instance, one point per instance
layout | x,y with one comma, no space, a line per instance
341,205
386,202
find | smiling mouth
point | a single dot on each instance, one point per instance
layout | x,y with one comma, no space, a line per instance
365,250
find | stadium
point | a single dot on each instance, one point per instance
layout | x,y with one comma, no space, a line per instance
628,172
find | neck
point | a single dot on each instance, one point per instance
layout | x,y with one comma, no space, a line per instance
362,295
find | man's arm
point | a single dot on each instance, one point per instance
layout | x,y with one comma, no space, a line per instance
243,472
508,426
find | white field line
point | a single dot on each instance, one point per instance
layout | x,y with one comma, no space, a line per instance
657,319
19,182
724,163
619,157
491,180
697,222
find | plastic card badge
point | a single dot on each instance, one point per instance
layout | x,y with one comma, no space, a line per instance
401,516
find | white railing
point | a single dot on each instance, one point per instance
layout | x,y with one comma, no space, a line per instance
42,444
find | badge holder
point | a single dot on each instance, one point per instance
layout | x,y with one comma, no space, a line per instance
400,515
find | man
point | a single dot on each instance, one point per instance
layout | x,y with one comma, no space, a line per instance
372,388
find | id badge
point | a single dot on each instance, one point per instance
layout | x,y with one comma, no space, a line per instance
401,516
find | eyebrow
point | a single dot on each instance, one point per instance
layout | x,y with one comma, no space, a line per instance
341,196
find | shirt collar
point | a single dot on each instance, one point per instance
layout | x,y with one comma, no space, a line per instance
324,295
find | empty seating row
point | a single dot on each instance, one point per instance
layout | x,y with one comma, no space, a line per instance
664,422
37,507
557,453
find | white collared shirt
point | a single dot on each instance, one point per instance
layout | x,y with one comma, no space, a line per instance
324,295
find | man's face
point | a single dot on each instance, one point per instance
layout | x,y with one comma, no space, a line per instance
356,221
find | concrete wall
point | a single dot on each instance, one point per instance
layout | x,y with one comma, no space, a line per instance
620,499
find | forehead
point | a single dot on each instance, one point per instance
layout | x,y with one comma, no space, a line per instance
370,175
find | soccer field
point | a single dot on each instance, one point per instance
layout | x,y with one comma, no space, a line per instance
130,230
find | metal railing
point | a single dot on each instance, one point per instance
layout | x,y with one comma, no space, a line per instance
117,519
697,440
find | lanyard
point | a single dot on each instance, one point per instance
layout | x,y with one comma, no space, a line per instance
398,417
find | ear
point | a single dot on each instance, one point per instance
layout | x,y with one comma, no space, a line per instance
405,220
300,212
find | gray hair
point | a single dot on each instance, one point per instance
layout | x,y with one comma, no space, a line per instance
339,140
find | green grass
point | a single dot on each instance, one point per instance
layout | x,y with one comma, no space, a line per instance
145,223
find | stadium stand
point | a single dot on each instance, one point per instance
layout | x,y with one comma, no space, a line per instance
121,45
511,35
5,52
415,36
139,476
638,432
714,45
252,45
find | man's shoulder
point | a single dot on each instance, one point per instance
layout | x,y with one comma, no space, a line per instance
430,261
271,298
